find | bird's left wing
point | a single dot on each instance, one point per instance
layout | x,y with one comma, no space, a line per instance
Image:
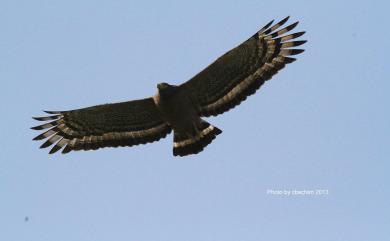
110,125
241,71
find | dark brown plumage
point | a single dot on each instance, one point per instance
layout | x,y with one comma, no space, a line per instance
221,86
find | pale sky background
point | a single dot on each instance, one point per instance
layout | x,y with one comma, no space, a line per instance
321,123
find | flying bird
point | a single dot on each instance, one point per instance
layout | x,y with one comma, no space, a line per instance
218,88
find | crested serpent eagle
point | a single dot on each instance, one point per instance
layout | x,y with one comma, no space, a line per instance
218,88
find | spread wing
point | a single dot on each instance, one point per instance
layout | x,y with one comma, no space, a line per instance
241,71
110,125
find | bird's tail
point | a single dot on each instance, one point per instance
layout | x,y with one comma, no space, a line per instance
184,144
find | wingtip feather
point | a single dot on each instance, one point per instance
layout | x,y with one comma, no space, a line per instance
267,25
289,52
46,118
284,20
67,149
55,149
46,144
52,112
39,137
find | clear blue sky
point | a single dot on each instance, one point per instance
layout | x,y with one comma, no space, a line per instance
321,123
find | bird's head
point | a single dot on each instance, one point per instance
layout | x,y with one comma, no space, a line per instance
166,90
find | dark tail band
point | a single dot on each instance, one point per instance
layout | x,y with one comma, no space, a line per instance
184,145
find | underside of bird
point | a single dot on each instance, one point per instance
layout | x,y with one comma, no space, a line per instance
221,86
177,108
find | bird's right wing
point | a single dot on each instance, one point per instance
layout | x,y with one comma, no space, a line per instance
110,125
241,71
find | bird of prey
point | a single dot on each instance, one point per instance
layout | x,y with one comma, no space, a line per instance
218,88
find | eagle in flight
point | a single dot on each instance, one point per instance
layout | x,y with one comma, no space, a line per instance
218,88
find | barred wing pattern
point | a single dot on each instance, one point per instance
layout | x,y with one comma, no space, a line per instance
110,125
241,71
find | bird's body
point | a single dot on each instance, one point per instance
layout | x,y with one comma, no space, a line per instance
218,88
177,108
